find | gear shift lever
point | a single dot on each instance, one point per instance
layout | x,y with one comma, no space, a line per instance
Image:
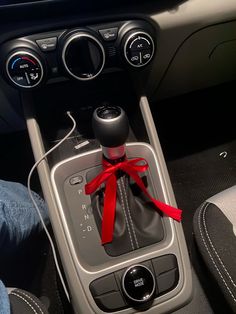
111,128
137,223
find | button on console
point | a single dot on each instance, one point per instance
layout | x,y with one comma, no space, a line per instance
107,294
109,34
76,180
47,44
103,285
111,302
138,284
164,263
166,272
168,281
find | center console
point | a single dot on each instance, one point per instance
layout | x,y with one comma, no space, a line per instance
98,72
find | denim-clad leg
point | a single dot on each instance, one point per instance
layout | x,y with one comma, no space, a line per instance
4,300
18,220
18,217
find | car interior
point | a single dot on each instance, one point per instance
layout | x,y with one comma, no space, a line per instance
120,115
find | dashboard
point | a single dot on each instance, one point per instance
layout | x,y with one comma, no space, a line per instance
81,53
180,28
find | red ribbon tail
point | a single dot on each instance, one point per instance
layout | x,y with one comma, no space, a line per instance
108,217
170,211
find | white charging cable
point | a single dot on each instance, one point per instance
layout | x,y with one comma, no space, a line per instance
36,206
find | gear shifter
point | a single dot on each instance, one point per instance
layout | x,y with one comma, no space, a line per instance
111,128
137,222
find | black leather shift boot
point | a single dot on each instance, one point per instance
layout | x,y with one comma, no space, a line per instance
137,221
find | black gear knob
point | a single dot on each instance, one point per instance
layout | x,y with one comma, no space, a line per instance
111,128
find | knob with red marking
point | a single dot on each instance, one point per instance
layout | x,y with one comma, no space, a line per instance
24,69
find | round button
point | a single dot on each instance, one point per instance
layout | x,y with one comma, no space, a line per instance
138,284
138,49
24,69
83,56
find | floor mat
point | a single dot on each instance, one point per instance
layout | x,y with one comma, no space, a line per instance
195,178
199,176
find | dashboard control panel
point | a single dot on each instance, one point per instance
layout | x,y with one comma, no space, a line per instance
81,53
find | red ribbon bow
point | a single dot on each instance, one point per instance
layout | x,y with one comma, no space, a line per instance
108,175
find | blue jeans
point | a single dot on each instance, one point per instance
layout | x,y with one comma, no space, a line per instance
4,301
18,219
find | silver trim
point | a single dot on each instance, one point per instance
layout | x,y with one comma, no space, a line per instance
126,43
111,120
123,285
29,54
68,41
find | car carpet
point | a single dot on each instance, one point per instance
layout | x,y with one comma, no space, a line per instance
195,178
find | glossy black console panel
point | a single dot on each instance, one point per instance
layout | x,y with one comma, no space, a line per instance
109,296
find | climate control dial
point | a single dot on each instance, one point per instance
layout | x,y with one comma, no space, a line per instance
138,48
24,69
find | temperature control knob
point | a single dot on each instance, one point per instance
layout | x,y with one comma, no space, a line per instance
24,69
138,48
